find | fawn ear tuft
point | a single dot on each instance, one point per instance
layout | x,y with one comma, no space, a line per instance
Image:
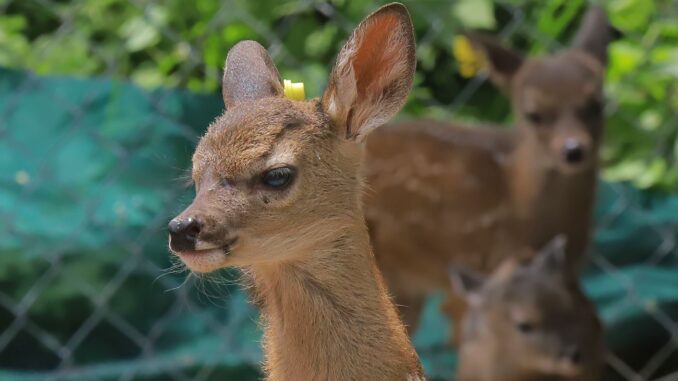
594,34
249,74
373,74
552,258
503,63
466,283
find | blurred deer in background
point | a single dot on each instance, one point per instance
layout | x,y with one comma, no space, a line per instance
278,195
528,323
442,194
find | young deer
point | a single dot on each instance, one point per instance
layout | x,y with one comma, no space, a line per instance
278,195
444,194
528,323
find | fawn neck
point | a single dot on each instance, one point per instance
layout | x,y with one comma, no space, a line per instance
329,317
551,202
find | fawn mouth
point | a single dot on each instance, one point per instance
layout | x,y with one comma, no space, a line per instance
207,259
573,169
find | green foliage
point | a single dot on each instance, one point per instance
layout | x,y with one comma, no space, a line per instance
642,133
180,43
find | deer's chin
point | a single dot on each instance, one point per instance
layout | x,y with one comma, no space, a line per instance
203,261
573,169
556,368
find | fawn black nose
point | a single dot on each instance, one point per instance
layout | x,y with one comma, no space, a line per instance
183,233
573,355
573,151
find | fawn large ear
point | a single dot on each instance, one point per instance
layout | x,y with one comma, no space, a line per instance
552,258
594,34
503,63
373,74
466,283
249,74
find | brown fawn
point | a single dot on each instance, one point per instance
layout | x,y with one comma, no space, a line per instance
441,194
528,322
278,195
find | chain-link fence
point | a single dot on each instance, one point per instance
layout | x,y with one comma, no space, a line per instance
91,170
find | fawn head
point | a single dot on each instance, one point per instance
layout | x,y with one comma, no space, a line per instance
274,176
557,100
531,321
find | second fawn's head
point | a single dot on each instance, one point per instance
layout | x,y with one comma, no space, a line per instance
274,176
531,320
557,100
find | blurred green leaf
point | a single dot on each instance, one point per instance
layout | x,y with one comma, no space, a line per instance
13,45
475,14
319,42
557,15
625,58
139,34
237,31
652,174
631,15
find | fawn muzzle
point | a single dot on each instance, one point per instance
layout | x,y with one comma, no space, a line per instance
574,151
184,233
564,367
573,355
573,145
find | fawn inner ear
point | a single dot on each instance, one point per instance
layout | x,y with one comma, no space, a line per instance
465,282
503,62
249,74
373,73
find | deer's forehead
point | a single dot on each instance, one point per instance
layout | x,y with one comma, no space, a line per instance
538,294
241,142
569,66
553,81
522,283
239,152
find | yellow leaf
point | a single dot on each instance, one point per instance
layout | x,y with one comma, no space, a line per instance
470,62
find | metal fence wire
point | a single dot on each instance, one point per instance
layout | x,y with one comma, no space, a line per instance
91,170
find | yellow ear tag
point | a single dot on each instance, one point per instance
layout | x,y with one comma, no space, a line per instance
470,62
294,90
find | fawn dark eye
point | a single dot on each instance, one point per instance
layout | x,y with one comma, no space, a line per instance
534,118
525,327
278,178
592,109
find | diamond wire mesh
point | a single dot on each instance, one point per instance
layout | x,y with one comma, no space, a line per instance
61,343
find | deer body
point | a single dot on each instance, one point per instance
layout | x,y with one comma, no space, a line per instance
421,219
278,195
442,194
469,196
